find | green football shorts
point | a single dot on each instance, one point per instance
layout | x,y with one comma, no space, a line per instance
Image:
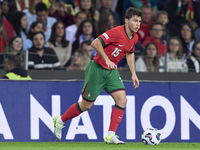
97,78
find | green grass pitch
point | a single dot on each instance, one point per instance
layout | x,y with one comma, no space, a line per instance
95,146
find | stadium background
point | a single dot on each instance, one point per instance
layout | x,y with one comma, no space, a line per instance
29,108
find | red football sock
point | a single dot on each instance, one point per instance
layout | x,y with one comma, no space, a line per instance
116,117
72,112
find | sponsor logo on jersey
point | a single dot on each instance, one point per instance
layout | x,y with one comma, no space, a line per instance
120,45
106,36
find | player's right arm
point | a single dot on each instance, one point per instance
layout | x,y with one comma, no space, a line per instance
97,45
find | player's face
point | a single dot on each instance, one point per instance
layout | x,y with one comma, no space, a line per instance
133,23
174,45
24,22
60,30
17,44
186,32
151,51
87,28
197,50
156,31
38,41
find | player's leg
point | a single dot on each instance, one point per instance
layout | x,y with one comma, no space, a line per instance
73,111
116,89
85,105
118,109
116,116
91,89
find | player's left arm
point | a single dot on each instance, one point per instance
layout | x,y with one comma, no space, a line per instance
130,57
97,45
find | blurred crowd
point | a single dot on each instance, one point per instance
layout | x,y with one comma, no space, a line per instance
57,34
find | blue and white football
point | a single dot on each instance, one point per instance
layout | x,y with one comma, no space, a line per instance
151,136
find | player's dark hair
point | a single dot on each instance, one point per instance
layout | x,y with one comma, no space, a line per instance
14,60
132,11
155,23
40,7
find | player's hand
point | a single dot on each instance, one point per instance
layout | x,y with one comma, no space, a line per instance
135,81
111,65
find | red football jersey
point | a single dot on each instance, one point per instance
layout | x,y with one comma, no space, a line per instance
116,45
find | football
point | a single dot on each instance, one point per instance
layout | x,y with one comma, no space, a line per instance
151,136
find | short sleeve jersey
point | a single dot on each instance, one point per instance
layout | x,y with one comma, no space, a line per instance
116,45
